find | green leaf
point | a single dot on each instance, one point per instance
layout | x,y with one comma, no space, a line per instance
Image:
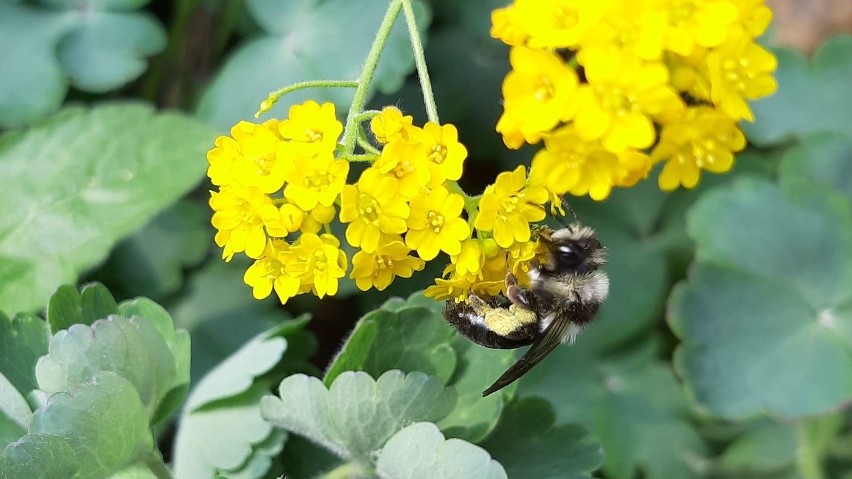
302,458
236,373
133,348
108,49
357,415
95,47
529,445
811,97
23,339
420,450
767,307
298,48
225,436
819,160
15,413
31,79
214,302
102,424
631,401
68,307
228,399
475,416
376,344
768,447
82,181
151,262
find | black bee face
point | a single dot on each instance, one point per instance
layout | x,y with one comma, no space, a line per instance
572,250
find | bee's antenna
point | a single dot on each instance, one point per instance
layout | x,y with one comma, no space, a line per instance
573,213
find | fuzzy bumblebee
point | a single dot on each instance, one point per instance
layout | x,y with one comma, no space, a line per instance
566,289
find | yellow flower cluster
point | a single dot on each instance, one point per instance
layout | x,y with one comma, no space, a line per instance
280,185
597,80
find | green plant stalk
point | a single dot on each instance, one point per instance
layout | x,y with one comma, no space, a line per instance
273,97
815,438
359,99
420,62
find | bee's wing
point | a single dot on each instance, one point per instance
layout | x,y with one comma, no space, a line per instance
552,337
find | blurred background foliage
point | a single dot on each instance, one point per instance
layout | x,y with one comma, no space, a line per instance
724,350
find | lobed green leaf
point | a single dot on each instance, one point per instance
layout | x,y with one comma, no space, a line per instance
420,450
356,416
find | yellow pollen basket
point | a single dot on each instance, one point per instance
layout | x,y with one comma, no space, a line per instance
506,321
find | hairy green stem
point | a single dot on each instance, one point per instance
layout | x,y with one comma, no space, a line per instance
359,99
420,62
273,97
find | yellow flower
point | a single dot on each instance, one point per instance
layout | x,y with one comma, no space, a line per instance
221,159
373,207
508,206
240,215
318,217
270,272
689,23
619,102
753,17
446,154
451,286
558,23
568,164
318,262
390,125
435,223
406,162
504,26
538,93
706,139
378,269
316,181
629,28
470,259
312,128
740,70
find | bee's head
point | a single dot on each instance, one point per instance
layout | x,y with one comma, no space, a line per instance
574,249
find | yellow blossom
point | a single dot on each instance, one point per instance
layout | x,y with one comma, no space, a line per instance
471,258
558,23
618,104
740,70
318,217
451,286
538,93
240,216
691,23
445,153
269,272
406,162
390,125
630,28
706,139
316,180
373,207
504,26
312,128
568,164
753,17
378,269
508,206
435,223
318,262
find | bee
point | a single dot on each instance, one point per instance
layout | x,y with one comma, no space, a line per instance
566,289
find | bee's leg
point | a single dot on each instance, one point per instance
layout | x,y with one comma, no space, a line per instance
517,295
477,303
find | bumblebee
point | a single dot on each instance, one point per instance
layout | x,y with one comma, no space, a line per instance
566,289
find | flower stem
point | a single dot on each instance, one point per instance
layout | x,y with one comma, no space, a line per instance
273,97
350,133
420,61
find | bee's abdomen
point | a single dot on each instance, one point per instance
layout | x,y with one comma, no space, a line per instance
473,325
